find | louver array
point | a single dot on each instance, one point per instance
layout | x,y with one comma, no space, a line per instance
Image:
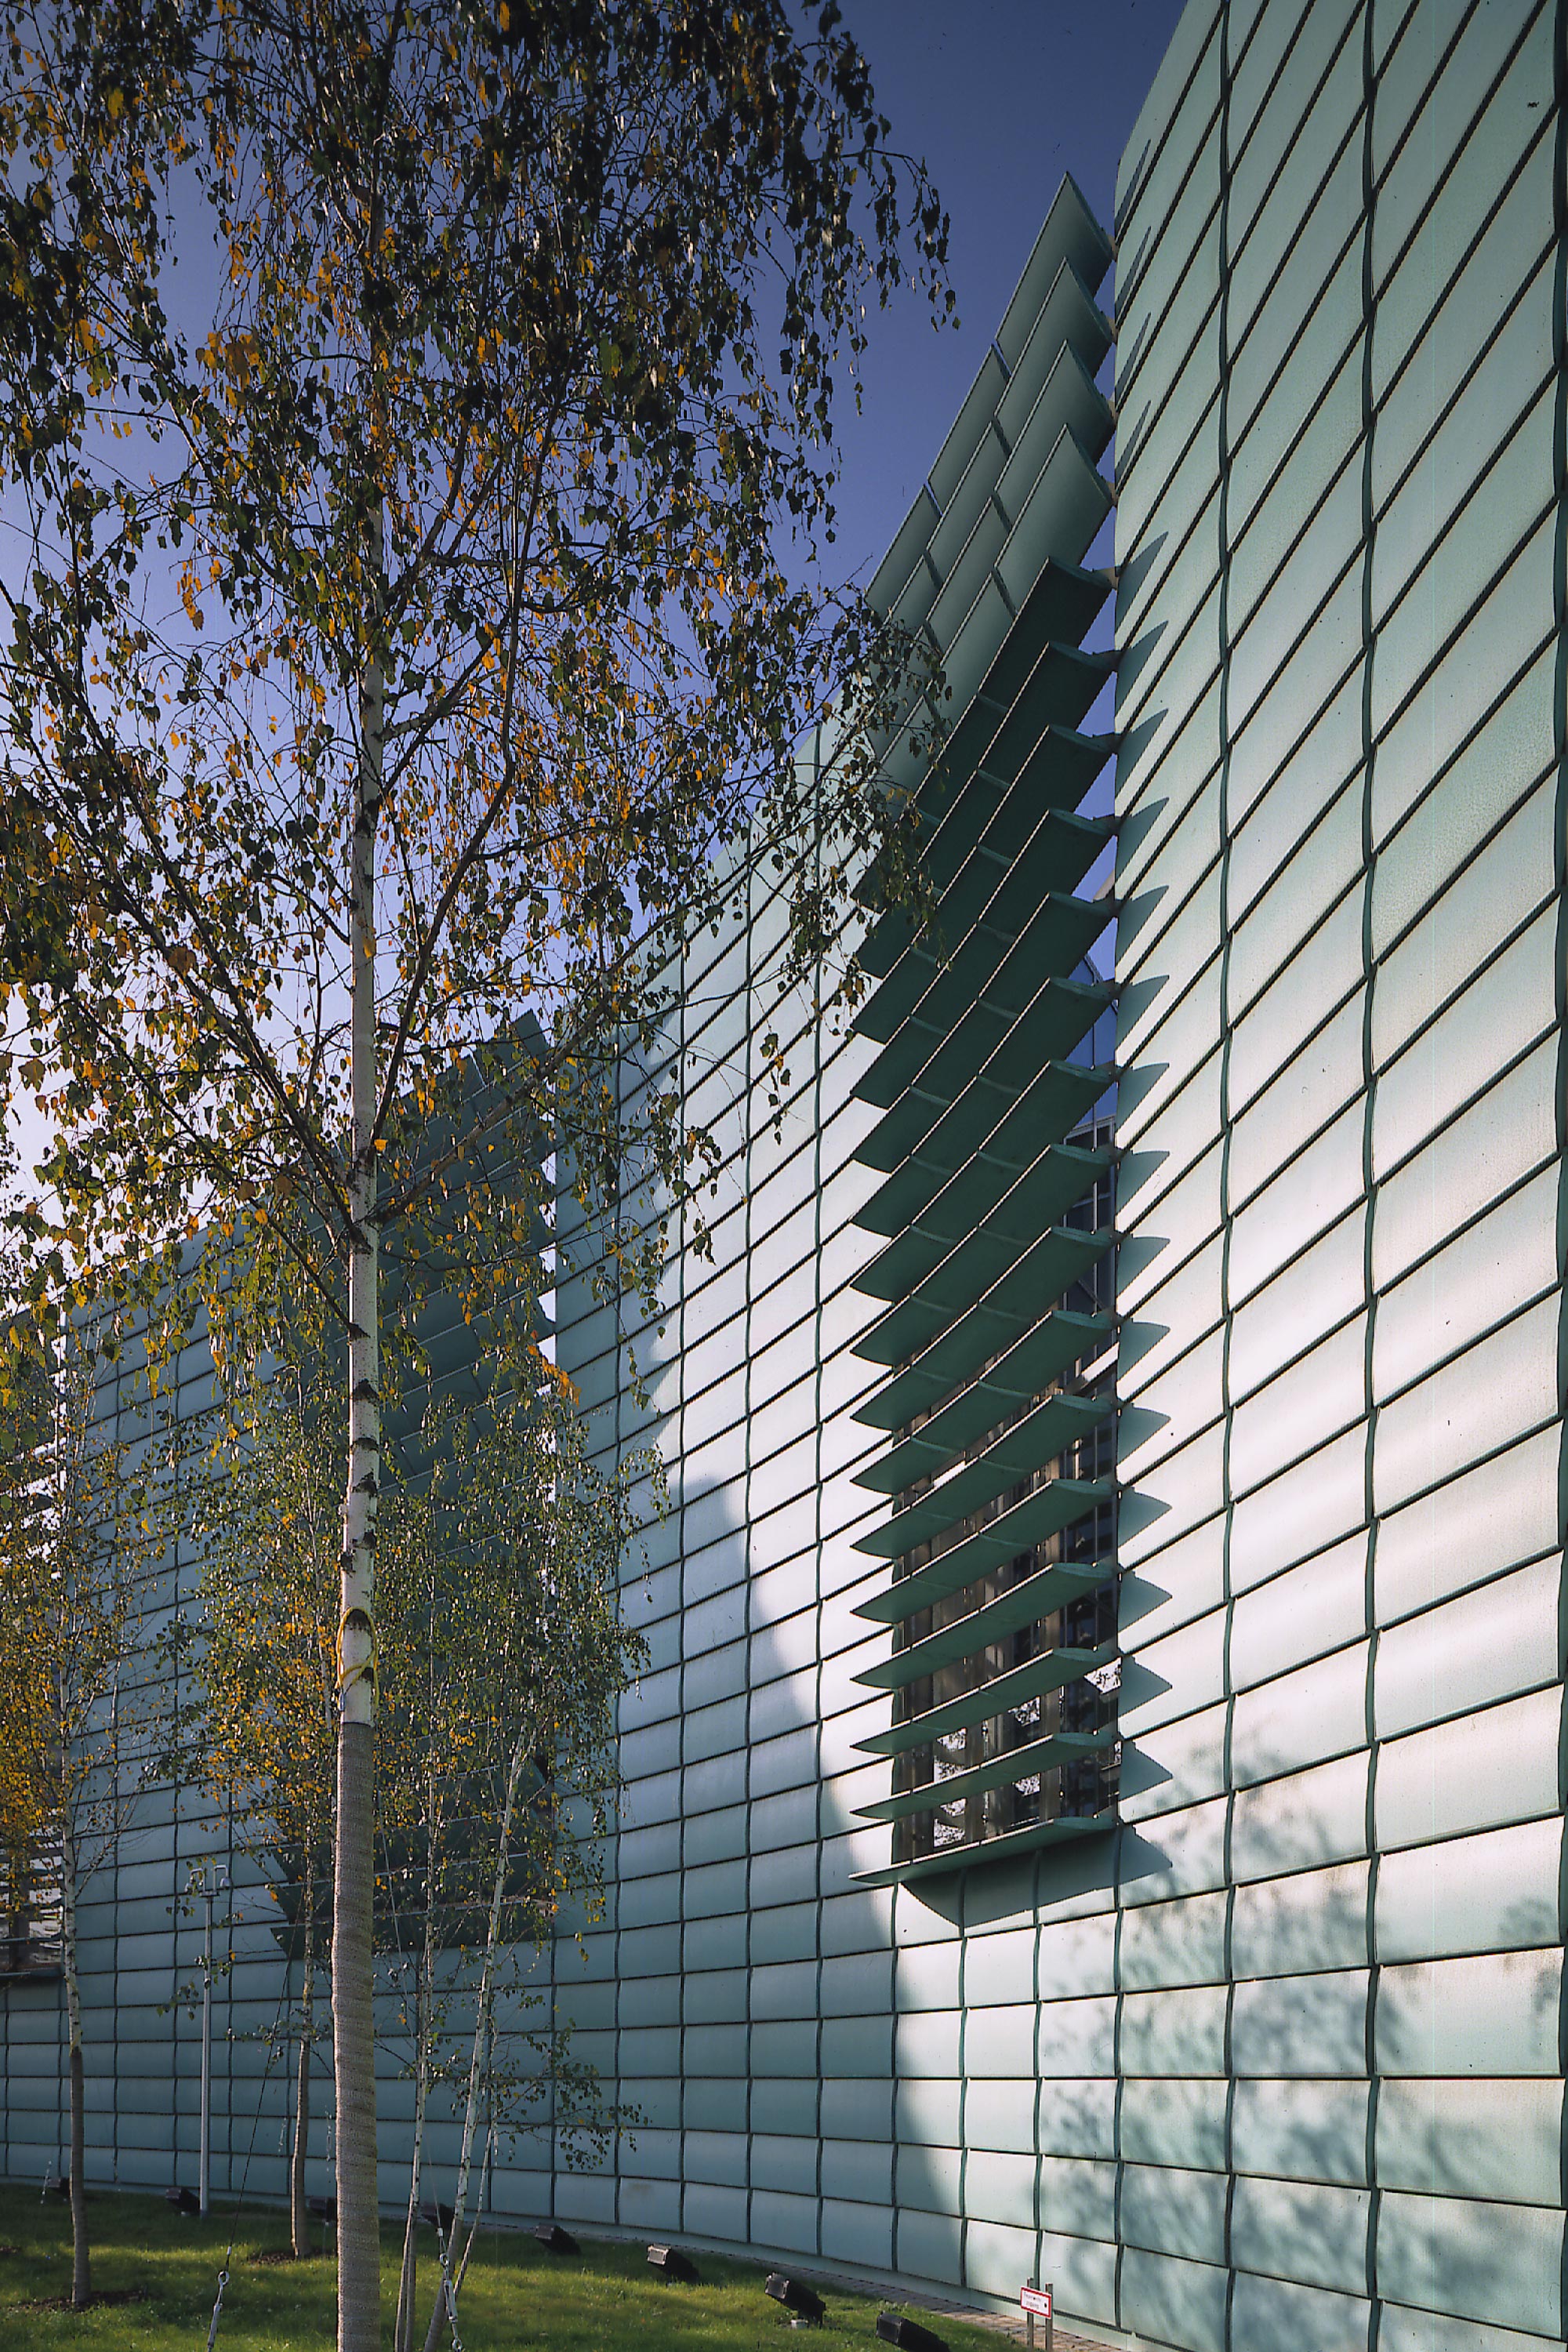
994,1211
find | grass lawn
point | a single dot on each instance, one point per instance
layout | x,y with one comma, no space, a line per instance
605,2300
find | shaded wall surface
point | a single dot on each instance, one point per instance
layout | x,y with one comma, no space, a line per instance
1275,2061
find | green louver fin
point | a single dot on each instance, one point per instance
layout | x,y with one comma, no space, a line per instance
1045,1511
1002,1771
1040,1595
1052,1670
993,1260
1055,1101
994,1187
1069,314
993,956
939,1442
1045,1347
947,1859
1021,747
1021,1451
1062,1012
1020,844
1070,233
1072,762
983,1206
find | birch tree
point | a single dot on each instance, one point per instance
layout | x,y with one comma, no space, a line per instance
407,411
506,1650
258,1729
82,1526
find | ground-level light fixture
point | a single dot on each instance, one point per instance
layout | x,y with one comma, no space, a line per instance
184,2200
802,2301
670,2264
908,2334
555,2239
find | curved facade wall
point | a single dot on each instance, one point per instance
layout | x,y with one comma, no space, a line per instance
1340,538
1273,2056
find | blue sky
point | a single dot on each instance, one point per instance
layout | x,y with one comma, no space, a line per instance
1001,97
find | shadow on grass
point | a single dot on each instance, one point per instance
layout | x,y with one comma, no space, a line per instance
515,2295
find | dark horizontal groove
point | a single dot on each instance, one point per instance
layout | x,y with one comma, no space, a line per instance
1135,193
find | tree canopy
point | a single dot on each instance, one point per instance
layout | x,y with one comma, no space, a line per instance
485,353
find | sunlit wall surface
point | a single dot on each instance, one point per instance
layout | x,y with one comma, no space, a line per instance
1340,535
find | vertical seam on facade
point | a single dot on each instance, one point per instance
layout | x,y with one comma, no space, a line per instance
1368,634
1560,827
1222,428
748,1142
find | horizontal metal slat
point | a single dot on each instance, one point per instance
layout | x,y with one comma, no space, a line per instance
1004,1772
941,1864
1044,1511
1026,1603
1052,1670
1070,233
1040,1271
953,1433
1045,1345
997,960
892,574
1026,1447
1067,402
1052,1106
1069,314
987,987
984,1074
1034,1197
1034,743
992,658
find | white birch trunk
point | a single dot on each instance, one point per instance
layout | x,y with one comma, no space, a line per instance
353,2035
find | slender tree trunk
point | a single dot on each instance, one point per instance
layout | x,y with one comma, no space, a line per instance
481,2022
353,2028
408,2283
81,2274
298,2218
424,2028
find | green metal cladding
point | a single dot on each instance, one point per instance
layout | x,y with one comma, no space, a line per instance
1121,1846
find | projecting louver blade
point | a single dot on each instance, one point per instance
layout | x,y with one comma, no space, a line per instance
1044,1511
981,1271
1046,1755
1045,1346
1022,1450
984,1006
1058,1017
1053,1670
1028,1602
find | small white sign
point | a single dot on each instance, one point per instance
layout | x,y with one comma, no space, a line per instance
1037,2299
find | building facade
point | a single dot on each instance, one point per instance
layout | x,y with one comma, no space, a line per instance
1125,1851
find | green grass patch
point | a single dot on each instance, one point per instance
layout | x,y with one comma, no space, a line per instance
516,2295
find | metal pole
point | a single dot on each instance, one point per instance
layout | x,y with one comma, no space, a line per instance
206,2044
1029,2330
